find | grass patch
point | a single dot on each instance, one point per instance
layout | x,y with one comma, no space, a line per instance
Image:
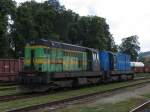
146,95
8,92
62,95
7,87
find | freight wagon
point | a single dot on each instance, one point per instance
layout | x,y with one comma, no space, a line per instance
9,69
137,67
147,69
49,64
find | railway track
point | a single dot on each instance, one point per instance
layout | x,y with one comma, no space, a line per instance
8,88
61,103
14,86
145,107
21,96
7,84
30,95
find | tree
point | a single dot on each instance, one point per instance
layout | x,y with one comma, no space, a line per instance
33,20
91,31
41,20
50,20
64,19
7,9
55,5
130,45
113,46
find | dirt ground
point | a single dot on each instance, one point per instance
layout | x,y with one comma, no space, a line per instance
99,103
103,104
125,95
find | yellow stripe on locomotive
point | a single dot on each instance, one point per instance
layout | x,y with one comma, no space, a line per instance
48,59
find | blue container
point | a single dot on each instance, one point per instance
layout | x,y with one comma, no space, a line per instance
122,62
105,64
114,61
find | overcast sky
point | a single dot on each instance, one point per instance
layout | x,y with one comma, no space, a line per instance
125,17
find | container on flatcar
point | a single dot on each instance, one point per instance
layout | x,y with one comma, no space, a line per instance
122,62
9,69
114,61
105,62
116,66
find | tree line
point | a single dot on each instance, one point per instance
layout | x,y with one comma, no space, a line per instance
50,20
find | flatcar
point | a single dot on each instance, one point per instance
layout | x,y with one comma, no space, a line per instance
50,64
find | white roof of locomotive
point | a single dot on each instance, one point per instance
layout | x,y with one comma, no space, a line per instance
137,64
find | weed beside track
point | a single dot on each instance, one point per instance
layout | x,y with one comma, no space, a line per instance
18,95
56,97
3,88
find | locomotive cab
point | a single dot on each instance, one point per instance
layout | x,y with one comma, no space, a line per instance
32,72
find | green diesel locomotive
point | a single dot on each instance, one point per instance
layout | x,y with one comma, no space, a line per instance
49,64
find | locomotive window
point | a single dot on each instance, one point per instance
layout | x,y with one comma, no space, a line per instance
65,54
47,51
97,57
94,56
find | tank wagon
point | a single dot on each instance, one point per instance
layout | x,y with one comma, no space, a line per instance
49,64
138,67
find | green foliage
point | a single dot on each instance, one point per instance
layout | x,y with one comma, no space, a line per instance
55,5
20,103
91,31
130,45
64,19
50,20
33,20
7,9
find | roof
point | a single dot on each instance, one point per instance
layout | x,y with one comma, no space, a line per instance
55,44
